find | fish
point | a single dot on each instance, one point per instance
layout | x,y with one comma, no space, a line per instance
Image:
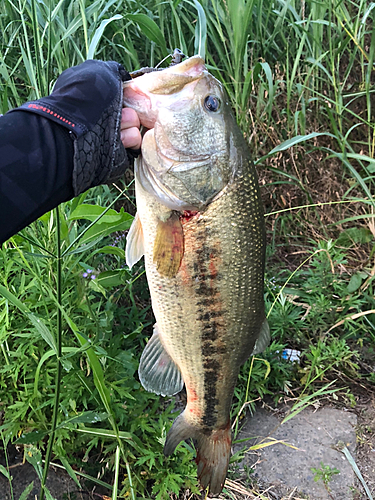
200,227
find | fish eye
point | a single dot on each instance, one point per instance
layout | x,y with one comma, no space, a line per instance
212,103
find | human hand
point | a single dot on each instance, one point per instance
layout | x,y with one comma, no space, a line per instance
87,100
130,134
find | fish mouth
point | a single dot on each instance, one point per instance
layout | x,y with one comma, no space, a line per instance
144,93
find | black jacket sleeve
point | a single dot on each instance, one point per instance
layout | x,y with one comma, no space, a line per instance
36,168
57,147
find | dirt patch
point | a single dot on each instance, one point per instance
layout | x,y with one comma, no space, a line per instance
365,457
59,483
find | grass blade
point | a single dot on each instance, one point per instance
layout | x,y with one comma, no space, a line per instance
200,31
341,446
289,143
37,323
98,35
117,472
26,492
150,29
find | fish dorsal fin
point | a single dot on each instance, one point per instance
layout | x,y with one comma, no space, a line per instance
134,243
169,246
157,371
264,338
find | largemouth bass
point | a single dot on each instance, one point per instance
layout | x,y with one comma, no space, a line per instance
200,227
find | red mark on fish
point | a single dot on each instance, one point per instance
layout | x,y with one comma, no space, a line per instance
188,214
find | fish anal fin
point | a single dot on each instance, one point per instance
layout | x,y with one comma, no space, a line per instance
157,371
180,430
134,243
263,339
169,246
213,451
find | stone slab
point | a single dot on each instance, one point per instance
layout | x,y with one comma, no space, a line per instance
313,433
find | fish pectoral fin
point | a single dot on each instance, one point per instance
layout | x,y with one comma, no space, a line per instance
169,246
157,371
134,243
264,338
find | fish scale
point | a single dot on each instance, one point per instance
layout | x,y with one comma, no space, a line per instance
194,314
203,239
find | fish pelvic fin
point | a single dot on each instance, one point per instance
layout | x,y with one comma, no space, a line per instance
134,243
169,246
213,451
263,339
157,371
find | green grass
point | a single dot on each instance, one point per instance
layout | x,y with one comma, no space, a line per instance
300,77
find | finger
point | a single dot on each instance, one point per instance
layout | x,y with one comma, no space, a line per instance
129,119
131,138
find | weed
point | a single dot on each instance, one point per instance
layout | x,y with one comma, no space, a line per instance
325,473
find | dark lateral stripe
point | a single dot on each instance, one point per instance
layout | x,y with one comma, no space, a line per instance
211,368
211,321
210,315
207,302
215,276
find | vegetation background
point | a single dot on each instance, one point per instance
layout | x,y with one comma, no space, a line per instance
74,319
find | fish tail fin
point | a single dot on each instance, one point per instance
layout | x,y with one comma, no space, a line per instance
213,451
